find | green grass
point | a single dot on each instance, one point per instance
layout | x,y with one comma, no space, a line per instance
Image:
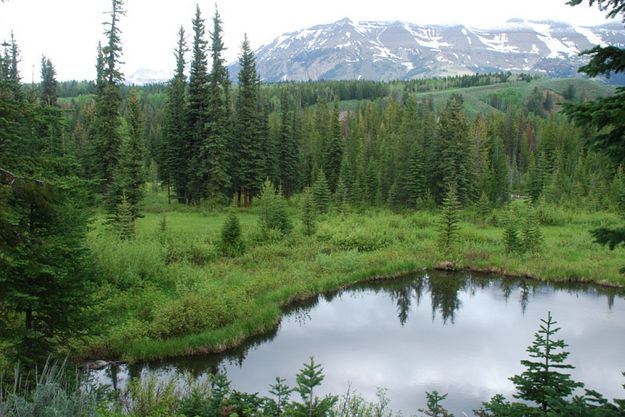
169,293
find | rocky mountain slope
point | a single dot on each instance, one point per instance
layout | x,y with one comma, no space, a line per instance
399,50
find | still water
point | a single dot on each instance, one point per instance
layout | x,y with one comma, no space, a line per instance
459,334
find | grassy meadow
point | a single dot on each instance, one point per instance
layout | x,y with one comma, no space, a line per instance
169,292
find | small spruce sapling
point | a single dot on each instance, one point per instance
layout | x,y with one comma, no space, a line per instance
231,243
124,219
449,221
434,407
309,378
321,193
543,381
309,225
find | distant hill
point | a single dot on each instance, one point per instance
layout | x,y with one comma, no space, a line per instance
399,50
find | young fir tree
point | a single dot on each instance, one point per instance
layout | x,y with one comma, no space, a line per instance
309,211
216,146
333,150
173,160
511,239
321,193
250,156
124,221
543,382
231,243
449,221
499,177
310,377
531,236
282,392
434,407
273,210
105,127
484,208
129,178
197,110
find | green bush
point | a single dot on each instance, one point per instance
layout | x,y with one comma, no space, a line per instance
231,243
190,313
273,210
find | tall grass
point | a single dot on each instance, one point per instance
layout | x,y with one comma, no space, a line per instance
169,291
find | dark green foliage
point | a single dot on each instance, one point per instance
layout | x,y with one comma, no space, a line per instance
511,239
543,381
173,160
44,272
310,377
321,193
333,150
105,127
499,177
449,221
231,243
434,407
288,147
197,112
309,211
273,210
455,165
249,158
48,83
129,176
216,146
531,236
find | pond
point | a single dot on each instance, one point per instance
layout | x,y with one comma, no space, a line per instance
457,333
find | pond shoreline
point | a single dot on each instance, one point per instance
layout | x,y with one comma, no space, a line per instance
260,331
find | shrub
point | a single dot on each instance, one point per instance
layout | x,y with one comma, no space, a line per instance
231,243
273,210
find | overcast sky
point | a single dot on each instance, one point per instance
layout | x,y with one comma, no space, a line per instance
67,31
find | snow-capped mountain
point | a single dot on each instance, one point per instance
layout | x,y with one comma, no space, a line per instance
147,76
399,50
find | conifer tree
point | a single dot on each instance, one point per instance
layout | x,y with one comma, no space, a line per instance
124,220
288,148
449,222
531,235
543,381
308,379
216,147
498,175
454,163
48,83
282,392
511,239
129,178
333,150
309,225
483,207
197,111
250,147
105,128
321,193
174,162
231,243
273,210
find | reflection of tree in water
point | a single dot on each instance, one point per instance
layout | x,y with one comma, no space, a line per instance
403,294
525,295
444,290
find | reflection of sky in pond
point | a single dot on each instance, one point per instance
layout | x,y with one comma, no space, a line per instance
468,347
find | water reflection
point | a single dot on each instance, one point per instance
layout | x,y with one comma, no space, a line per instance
455,333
